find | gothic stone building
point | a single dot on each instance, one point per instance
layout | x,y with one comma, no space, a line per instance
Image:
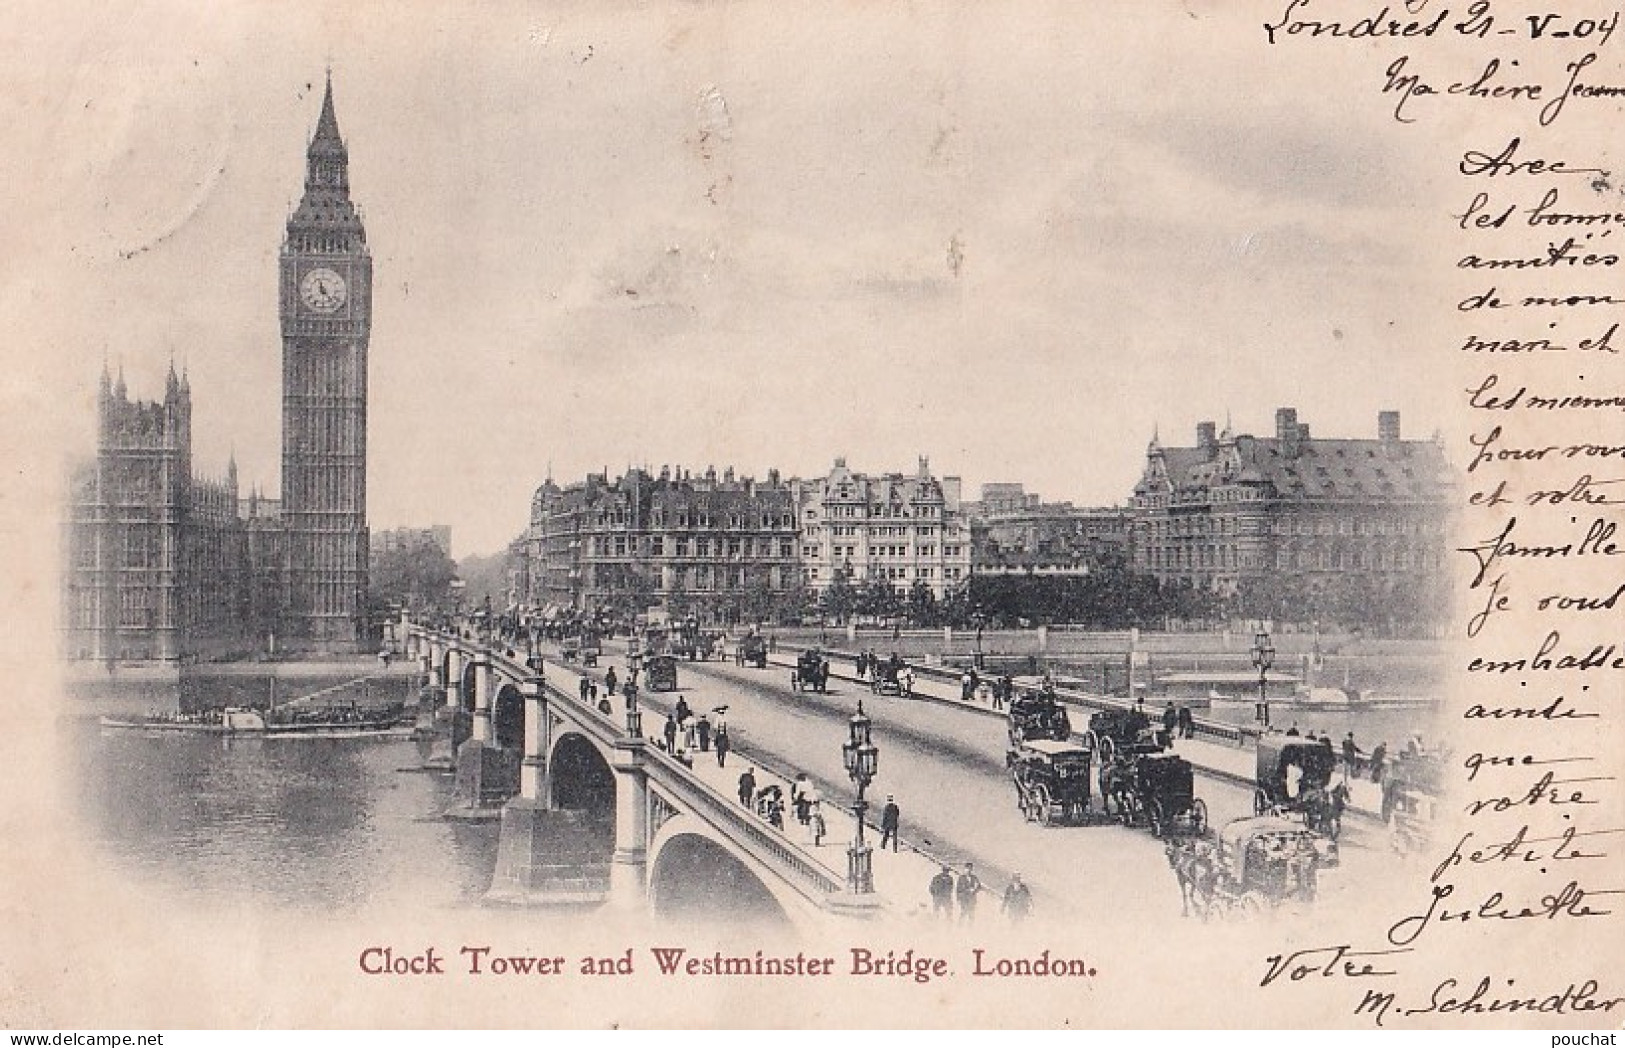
164,566
1352,515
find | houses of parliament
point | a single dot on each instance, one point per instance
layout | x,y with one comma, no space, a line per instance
164,566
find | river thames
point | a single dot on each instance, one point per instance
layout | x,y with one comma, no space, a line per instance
337,825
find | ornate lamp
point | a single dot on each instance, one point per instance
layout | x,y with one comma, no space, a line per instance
1263,658
862,760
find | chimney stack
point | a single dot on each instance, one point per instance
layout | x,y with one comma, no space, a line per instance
1286,431
1388,427
1206,436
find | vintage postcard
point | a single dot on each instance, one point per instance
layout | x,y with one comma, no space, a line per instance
825,515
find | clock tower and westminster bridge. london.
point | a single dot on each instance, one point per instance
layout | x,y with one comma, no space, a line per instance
164,567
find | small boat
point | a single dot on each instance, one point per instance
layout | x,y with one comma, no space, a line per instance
236,720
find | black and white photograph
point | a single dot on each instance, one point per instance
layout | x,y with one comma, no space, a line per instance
739,515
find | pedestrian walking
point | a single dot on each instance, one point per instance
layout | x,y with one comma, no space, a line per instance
966,688
702,732
670,732
889,816
631,691
1379,757
747,787
942,893
1018,900
906,681
800,797
723,745
965,891
584,687
816,821
1184,722
681,710
610,680
1351,757
592,691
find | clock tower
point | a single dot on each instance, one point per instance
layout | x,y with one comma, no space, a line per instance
326,313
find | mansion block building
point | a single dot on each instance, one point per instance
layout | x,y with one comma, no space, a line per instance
729,548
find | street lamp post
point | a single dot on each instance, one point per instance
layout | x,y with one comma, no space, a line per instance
634,716
1263,657
862,760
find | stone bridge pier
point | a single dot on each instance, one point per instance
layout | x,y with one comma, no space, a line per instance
590,814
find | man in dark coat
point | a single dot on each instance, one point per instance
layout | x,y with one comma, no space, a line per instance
724,744
747,787
889,816
670,732
1018,900
702,733
942,893
966,890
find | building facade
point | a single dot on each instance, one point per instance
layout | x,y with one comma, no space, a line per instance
156,563
390,540
162,565
326,313
720,548
1014,532
1233,512
894,528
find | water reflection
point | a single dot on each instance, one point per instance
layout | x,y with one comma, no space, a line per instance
321,824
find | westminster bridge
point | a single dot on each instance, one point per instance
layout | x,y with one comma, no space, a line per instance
600,815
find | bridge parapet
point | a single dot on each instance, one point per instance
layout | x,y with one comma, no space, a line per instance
640,770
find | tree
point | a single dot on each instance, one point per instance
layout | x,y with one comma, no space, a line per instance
840,598
922,604
415,576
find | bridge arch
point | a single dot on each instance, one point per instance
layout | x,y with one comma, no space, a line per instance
581,777
508,717
695,875
470,676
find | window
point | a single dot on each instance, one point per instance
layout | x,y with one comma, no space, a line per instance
657,546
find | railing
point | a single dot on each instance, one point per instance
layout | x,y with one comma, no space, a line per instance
762,842
1232,734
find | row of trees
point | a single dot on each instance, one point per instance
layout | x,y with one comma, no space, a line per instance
420,576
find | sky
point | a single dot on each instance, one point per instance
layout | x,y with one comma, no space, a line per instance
715,234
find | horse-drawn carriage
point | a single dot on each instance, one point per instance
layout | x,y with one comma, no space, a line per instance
811,672
660,672
1038,715
1251,864
1052,781
753,651
1141,783
1115,729
1294,777
887,676
584,646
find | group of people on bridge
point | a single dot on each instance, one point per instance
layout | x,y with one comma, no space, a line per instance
946,890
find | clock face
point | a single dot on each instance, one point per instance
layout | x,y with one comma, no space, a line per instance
323,290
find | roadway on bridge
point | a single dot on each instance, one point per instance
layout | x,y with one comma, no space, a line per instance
946,767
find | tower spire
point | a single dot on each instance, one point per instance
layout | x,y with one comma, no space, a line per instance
327,127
